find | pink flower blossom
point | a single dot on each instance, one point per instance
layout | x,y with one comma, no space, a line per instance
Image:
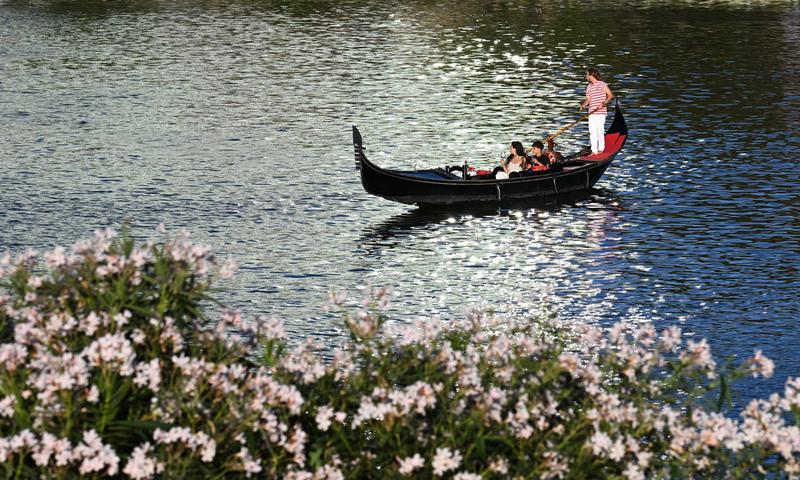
761,365
323,418
248,464
633,472
467,476
149,375
138,336
791,393
7,406
328,472
12,355
616,335
113,350
698,354
140,466
194,441
270,328
56,258
409,464
296,446
569,362
92,322
499,465
303,362
600,443
96,455
671,339
169,333
445,460
93,395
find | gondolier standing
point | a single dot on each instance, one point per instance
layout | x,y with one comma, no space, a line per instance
598,95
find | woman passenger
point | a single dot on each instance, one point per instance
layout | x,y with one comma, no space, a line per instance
514,163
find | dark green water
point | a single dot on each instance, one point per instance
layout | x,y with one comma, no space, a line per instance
232,120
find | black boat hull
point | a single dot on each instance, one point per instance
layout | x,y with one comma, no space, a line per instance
436,187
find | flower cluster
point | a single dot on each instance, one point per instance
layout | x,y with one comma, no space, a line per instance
109,367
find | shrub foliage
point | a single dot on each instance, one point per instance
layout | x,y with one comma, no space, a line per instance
109,367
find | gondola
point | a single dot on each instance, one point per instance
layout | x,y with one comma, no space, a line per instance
437,186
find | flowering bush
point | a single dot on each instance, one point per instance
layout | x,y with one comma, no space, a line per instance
109,367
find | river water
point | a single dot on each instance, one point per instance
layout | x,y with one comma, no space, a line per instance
232,120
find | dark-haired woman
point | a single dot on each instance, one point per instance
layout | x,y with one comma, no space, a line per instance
513,164
598,95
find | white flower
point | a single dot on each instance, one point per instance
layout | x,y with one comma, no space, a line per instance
323,418
138,336
328,472
56,258
467,476
616,333
249,465
499,465
569,362
12,355
194,441
761,365
409,464
270,328
671,338
148,374
113,350
96,456
699,355
633,472
93,395
617,451
140,466
445,460
600,443
7,406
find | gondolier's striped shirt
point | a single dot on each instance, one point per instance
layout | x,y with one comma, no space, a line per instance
597,95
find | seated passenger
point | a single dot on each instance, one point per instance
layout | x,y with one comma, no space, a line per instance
551,152
513,164
539,159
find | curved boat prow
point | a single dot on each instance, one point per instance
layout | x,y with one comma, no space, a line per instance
618,125
358,146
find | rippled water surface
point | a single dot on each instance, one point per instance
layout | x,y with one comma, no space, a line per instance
232,120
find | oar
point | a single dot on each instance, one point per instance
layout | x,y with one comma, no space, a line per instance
550,138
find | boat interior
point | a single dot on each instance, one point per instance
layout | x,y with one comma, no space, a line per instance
575,161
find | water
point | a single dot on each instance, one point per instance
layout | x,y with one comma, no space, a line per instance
232,120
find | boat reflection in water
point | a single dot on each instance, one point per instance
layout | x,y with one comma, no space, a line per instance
430,218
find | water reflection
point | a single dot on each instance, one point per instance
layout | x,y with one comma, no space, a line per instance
395,228
510,257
